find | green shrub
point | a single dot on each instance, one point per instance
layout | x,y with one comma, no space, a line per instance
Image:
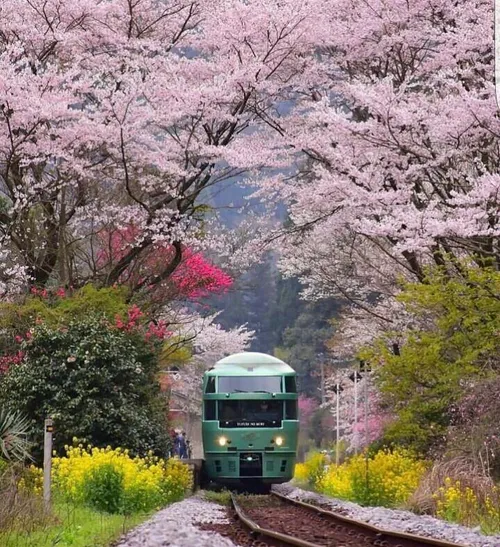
454,345
97,382
103,488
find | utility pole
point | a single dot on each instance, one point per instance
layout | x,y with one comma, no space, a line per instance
322,365
365,367
338,390
355,377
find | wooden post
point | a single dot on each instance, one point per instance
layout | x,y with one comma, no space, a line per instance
47,461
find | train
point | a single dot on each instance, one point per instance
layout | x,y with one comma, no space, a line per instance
250,422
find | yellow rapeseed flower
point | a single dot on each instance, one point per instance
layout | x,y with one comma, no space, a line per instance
147,482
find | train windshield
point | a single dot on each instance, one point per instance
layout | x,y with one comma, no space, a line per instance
249,384
262,413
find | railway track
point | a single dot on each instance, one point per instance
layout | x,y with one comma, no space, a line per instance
279,521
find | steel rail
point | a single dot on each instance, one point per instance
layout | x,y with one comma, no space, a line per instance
380,533
256,529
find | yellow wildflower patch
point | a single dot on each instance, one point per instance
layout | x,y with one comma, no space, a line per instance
456,502
387,478
145,483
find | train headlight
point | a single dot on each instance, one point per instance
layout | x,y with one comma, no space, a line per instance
279,441
222,441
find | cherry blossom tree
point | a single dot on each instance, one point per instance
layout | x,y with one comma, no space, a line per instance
352,428
399,158
131,111
307,407
209,343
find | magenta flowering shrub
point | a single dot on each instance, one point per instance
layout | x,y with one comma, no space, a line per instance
193,277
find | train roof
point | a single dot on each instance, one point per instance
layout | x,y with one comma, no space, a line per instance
250,363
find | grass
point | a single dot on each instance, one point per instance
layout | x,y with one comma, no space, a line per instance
223,497
74,526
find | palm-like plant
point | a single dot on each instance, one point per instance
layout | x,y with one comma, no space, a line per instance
14,435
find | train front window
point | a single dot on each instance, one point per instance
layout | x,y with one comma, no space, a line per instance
262,413
210,410
210,385
290,384
249,384
291,410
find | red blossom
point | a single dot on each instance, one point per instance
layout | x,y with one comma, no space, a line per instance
119,324
134,313
6,361
153,329
195,277
158,330
44,293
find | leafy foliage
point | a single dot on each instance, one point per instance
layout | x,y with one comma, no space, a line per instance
97,382
57,308
103,488
14,435
304,342
454,343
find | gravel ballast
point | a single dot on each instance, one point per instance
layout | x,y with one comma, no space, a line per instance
176,526
392,519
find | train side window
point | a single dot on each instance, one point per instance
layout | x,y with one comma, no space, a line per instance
210,385
210,410
290,384
290,410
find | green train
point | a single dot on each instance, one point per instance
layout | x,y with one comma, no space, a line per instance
250,420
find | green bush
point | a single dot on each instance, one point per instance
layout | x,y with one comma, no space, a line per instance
98,383
455,344
21,315
103,488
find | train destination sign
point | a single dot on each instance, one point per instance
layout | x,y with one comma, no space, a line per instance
250,423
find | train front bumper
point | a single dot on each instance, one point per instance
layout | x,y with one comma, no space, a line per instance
246,464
